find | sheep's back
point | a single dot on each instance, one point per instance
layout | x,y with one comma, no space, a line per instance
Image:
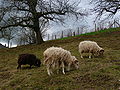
86,46
55,54
26,59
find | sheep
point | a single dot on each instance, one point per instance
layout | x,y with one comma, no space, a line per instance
57,57
90,47
28,59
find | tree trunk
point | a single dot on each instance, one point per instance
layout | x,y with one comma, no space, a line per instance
8,43
39,39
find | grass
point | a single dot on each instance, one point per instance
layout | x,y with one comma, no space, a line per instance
100,73
92,33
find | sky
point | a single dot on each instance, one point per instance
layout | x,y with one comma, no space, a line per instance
71,23
68,23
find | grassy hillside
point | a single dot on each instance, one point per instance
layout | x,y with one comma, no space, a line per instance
93,74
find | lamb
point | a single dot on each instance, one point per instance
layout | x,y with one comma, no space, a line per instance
28,59
57,57
90,47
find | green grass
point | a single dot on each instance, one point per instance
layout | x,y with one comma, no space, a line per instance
100,73
92,33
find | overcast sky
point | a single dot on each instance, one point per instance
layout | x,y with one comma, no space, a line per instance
72,23
85,5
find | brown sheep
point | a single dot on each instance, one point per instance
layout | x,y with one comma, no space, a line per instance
28,59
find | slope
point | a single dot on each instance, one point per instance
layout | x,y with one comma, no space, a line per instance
96,73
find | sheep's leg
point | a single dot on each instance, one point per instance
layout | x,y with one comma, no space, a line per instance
81,55
19,66
57,69
90,55
93,55
48,70
63,68
51,71
68,69
30,66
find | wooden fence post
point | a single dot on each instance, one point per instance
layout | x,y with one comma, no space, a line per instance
48,36
55,36
74,33
78,32
62,34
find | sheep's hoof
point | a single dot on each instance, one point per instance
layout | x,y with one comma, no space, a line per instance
81,57
63,72
49,74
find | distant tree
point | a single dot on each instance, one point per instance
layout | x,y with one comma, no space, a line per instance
25,36
1,34
29,13
103,6
8,34
28,36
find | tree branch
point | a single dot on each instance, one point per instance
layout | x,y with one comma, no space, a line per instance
114,12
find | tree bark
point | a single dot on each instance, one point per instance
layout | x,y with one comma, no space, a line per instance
8,43
39,39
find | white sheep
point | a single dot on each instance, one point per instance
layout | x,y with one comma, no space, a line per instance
90,47
56,57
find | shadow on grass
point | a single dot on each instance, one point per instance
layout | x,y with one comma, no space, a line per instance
28,67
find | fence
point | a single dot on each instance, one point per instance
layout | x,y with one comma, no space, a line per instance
82,30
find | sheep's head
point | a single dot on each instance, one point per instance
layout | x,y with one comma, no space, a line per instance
38,62
101,51
75,62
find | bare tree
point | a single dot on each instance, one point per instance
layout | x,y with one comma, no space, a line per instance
8,34
27,36
103,6
29,13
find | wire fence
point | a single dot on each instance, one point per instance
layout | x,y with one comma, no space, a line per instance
81,30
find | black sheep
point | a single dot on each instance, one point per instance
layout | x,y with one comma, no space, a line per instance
28,59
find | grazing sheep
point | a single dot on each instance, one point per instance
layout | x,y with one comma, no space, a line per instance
56,57
90,47
28,59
